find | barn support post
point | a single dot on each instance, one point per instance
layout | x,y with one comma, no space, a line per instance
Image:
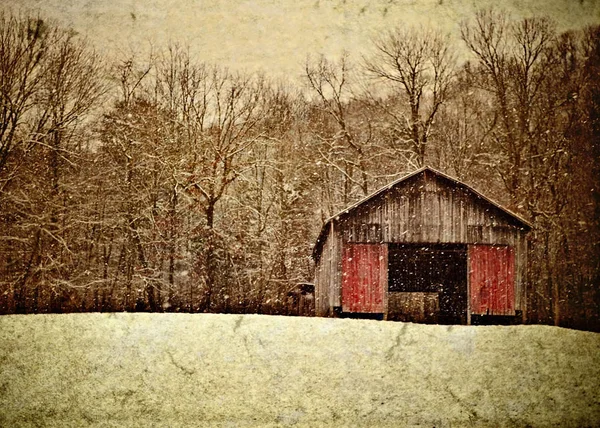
468,285
384,278
525,293
334,290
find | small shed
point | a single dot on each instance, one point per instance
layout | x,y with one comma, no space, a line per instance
301,300
425,248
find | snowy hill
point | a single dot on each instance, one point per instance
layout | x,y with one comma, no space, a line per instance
227,370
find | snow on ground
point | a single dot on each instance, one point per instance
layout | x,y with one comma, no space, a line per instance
228,370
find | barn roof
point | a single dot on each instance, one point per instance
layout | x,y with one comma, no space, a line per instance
324,230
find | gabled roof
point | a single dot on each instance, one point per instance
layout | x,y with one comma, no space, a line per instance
324,230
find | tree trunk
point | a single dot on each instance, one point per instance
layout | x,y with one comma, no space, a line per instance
209,256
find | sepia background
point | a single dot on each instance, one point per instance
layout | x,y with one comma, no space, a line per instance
276,36
183,156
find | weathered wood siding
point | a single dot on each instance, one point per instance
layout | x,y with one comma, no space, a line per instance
364,278
427,210
424,208
328,275
492,279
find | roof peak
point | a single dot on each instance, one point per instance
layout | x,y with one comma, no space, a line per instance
438,173
426,168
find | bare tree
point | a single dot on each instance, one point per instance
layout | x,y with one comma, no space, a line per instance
535,78
50,81
23,45
218,113
332,85
418,63
464,125
514,59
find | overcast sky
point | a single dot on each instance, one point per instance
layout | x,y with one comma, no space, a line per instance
275,36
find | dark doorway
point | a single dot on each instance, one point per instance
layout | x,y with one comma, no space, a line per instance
427,283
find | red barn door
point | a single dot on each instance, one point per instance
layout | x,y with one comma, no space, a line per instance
492,280
364,277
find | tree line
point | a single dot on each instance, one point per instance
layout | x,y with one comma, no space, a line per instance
164,183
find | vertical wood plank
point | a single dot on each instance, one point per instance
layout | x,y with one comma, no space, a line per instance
491,280
364,273
468,287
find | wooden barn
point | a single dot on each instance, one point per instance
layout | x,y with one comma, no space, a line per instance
425,248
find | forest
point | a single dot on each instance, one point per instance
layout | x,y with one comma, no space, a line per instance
159,182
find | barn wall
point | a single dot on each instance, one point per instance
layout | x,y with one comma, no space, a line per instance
328,275
428,211
521,274
425,209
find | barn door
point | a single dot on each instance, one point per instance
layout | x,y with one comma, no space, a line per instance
364,277
492,280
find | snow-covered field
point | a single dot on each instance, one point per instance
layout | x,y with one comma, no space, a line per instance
227,370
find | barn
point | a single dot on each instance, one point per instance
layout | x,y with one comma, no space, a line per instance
425,248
